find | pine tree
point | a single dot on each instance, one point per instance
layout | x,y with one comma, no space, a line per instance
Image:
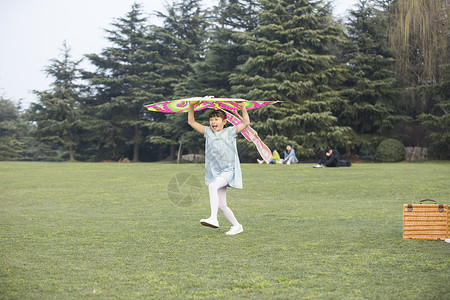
182,40
225,51
14,132
293,59
56,112
437,121
372,93
123,82
180,44
9,124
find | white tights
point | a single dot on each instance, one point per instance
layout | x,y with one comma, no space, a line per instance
218,200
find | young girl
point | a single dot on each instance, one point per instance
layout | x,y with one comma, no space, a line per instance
222,167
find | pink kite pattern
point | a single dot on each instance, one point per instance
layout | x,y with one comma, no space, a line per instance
228,105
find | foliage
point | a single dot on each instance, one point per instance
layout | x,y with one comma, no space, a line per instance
293,59
184,36
226,50
419,35
373,110
180,45
390,150
439,151
110,231
56,114
338,83
10,147
125,80
437,120
16,143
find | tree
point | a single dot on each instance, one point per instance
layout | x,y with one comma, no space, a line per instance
225,49
13,131
293,58
55,114
437,121
9,131
372,92
419,34
180,44
123,82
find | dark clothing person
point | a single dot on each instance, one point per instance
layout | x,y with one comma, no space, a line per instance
331,160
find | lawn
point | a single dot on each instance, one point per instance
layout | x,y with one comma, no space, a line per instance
109,230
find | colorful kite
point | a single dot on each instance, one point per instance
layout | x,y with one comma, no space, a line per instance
227,105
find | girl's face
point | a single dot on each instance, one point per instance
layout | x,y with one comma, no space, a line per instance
217,123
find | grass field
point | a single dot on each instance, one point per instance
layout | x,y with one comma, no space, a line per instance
117,231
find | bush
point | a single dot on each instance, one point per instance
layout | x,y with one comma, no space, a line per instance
439,151
390,150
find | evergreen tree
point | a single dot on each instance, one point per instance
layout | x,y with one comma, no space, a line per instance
56,112
225,51
9,131
372,95
123,82
437,121
293,59
182,39
180,44
15,139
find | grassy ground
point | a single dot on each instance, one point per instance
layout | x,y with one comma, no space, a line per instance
106,230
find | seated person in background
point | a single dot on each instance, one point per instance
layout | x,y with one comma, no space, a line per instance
332,159
274,158
289,156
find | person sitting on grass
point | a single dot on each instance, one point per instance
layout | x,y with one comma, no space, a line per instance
289,156
274,158
332,159
222,166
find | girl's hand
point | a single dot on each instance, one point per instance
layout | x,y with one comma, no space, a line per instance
245,118
193,103
241,104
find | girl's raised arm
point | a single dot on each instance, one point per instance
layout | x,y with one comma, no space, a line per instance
245,119
191,119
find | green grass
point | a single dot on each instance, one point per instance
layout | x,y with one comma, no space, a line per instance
106,230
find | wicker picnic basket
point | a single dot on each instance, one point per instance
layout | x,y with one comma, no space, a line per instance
426,221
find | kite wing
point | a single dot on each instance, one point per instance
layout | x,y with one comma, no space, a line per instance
182,105
229,105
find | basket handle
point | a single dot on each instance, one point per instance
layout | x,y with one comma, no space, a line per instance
434,201
440,207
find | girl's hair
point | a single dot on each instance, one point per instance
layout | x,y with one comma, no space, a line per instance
218,113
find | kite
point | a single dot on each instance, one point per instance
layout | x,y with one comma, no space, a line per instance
228,105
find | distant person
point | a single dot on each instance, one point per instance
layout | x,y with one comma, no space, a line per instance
289,156
331,159
274,158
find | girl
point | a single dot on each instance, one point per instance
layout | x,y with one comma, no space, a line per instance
222,167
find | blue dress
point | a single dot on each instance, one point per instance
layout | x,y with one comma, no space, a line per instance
221,157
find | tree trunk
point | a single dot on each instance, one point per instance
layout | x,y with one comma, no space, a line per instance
161,152
172,152
136,144
71,153
180,152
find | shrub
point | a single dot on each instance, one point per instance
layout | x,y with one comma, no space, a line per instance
439,150
390,150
